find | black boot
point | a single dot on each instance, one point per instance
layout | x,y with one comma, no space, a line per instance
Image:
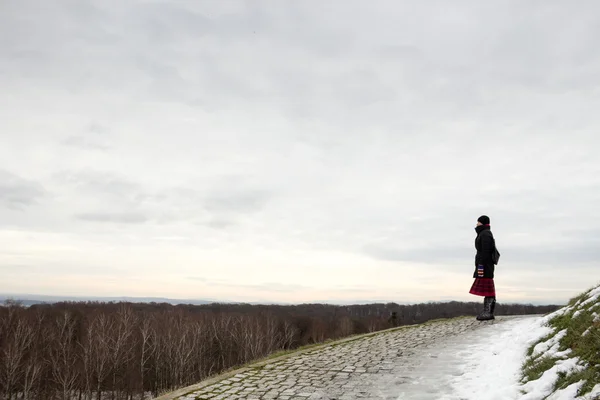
486,314
482,311
493,307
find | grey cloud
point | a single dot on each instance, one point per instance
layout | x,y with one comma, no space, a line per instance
583,235
236,201
355,289
68,267
558,255
221,223
266,286
165,24
98,129
102,182
343,123
84,143
273,287
16,192
217,206
226,207
435,253
234,194
222,201
94,137
123,218
277,287
398,52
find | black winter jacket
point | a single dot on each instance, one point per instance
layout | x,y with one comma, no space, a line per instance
485,245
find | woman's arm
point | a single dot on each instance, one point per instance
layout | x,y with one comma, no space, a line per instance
487,250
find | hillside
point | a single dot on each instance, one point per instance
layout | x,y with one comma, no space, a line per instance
564,364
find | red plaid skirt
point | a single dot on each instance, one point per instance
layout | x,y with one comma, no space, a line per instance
483,287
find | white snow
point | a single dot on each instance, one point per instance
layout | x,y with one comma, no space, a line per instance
568,393
486,365
593,295
576,313
549,346
542,387
590,300
562,354
491,364
557,313
595,392
587,331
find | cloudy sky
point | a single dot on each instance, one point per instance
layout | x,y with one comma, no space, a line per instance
295,151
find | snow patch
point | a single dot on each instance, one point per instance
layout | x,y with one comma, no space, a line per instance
542,387
549,346
594,294
592,299
562,354
558,313
595,392
490,366
568,393
587,331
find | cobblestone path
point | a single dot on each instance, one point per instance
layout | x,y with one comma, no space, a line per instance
365,368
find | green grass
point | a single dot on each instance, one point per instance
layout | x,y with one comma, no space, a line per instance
585,347
533,369
577,298
588,375
544,339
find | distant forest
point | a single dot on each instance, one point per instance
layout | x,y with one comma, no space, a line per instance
127,351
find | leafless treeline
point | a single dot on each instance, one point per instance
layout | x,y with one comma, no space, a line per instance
134,351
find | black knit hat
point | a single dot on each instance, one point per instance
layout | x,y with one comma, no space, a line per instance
484,219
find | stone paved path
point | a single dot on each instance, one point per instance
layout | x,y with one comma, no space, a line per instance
372,367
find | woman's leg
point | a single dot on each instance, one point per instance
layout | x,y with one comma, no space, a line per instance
486,314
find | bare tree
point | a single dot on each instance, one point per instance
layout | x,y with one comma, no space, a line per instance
289,333
246,339
273,338
120,352
34,364
220,328
87,351
318,331
100,350
345,326
200,334
19,339
184,352
148,346
86,347
373,324
63,357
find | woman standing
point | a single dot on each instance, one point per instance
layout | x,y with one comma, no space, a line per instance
484,268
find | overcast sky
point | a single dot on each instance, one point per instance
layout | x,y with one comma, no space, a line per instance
295,151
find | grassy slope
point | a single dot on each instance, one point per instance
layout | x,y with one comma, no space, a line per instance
575,334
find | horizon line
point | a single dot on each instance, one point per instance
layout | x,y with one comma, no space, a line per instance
57,298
